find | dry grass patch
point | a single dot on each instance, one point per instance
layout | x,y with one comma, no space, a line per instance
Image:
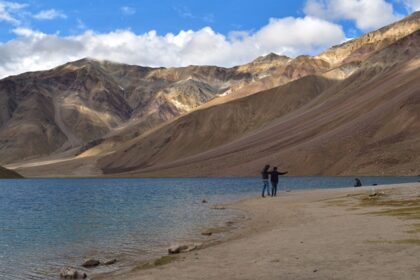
409,241
389,202
403,241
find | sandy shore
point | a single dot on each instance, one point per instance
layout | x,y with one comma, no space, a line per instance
321,234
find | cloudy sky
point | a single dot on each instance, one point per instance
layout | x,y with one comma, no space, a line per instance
41,34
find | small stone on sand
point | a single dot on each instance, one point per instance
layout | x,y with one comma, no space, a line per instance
91,263
207,233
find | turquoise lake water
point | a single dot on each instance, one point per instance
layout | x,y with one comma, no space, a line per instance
46,224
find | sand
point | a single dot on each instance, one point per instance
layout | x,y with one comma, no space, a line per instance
320,234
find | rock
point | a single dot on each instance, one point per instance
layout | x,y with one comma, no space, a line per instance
109,262
91,263
373,194
207,233
193,247
315,270
204,201
71,273
176,249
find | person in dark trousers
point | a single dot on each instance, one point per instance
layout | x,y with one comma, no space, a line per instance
274,176
265,174
358,183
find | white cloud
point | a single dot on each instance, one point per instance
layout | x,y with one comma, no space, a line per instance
367,14
10,11
128,10
49,15
290,36
412,5
28,33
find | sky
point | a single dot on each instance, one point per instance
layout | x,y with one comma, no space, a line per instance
41,34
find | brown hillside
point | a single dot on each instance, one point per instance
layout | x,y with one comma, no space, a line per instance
350,110
365,124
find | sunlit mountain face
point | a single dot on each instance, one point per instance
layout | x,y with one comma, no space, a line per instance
351,109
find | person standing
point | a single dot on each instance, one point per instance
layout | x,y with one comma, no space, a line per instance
358,183
274,176
265,174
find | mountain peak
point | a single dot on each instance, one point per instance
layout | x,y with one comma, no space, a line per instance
360,48
415,14
270,57
90,60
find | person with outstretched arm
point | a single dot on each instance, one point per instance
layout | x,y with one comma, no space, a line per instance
274,176
358,183
265,174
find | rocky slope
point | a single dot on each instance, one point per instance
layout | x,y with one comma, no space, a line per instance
88,102
361,48
352,109
367,123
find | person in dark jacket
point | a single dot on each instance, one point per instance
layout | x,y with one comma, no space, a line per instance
274,176
265,174
357,183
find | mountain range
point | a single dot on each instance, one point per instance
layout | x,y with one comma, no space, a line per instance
351,110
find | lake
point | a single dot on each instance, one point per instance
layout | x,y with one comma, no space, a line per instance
46,224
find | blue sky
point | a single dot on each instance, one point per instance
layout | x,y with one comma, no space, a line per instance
228,32
163,16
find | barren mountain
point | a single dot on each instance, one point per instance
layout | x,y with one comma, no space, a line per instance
357,50
367,123
88,102
350,110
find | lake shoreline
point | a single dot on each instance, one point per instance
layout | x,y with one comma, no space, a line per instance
232,227
286,217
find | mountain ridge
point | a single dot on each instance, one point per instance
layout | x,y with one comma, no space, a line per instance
111,161
93,112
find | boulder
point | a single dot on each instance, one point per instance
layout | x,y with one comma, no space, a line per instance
207,233
71,273
91,263
204,201
177,249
